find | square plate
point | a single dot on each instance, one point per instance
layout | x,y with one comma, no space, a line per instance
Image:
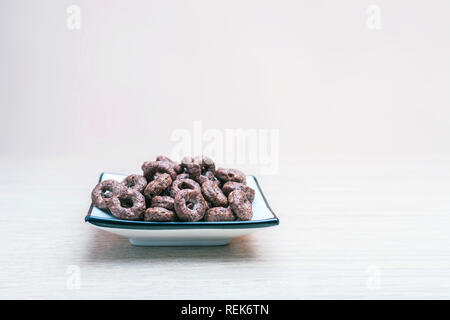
184,233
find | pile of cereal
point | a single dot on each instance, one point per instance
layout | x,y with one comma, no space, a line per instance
193,190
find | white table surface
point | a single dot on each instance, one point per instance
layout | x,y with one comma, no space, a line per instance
350,228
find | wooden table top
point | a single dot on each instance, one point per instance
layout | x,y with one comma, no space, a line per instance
349,228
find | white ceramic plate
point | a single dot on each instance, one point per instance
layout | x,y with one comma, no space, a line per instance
147,233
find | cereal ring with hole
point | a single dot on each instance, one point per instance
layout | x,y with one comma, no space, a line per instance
135,182
219,214
231,186
104,191
175,165
163,202
207,176
156,187
226,175
190,205
150,168
128,205
240,205
182,176
206,163
182,184
213,194
200,168
193,168
159,214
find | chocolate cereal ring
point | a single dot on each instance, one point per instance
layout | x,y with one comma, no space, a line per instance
240,205
182,184
163,202
104,191
231,186
226,175
135,182
206,164
156,187
190,205
128,204
219,214
207,176
150,168
200,168
182,176
213,194
159,214
192,168
175,165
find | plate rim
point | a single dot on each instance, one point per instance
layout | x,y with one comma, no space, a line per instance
152,225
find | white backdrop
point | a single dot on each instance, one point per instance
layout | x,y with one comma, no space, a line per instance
357,93
331,76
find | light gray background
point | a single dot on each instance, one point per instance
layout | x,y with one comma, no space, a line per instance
363,182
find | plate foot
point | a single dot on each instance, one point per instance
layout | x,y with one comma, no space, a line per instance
178,243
